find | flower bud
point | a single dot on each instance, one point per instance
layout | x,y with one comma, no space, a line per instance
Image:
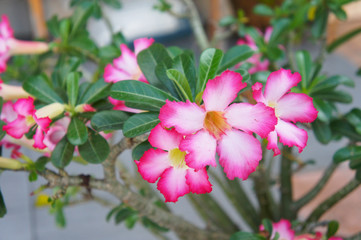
84,108
9,92
9,163
19,47
52,110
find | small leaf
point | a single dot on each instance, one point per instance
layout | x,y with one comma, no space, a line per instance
2,206
263,9
123,214
332,229
324,110
77,133
149,58
304,65
39,87
95,92
80,16
41,162
150,224
140,123
322,131
332,82
144,94
95,149
181,82
72,87
246,236
208,66
131,221
280,27
62,154
33,176
60,218
354,117
234,56
113,211
320,23
267,224
108,120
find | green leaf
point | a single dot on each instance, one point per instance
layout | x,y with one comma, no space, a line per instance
263,10
244,73
332,229
144,94
280,27
304,65
33,176
246,236
113,3
39,87
131,221
2,132
72,87
150,224
227,20
355,164
331,83
322,131
208,65
149,58
3,209
140,123
234,56
161,72
113,211
64,29
347,153
123,214
267,224
60,218
79,17
108,120
77,133
95,149
139,150
354,117
320,23
184,63
95,92
41,162
180,80
63,153
344,128
109,52
174,51
324,110
344,38
335,96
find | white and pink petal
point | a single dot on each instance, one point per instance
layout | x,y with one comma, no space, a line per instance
24,106
172,184
290,135
113,75
142,43
186,117
198,181
239,154
164,139
222,90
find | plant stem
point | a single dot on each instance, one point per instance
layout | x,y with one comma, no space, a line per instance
316,189
328,203
286,185
196,23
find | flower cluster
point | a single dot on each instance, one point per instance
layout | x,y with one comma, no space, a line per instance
285,232
11,46
190,135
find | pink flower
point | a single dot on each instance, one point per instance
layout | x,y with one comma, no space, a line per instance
26,119
11,46
56,132
215,127
9,92
84,108
256,59
289,107
283,228
167,163
126,67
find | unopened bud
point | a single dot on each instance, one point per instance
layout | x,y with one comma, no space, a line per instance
52,110
84,108
9,163
19,47
9,92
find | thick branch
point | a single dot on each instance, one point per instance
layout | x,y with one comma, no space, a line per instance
316,189
165,219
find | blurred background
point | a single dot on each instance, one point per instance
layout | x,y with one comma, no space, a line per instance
135,19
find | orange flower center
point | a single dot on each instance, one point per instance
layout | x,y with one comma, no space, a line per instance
216,123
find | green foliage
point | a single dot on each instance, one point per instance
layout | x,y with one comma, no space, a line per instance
40,87
3,209
108,120
73,87
332,229
77,133
139,124
95,149
139,150
62,154
246,236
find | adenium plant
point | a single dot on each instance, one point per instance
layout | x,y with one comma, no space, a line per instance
182,115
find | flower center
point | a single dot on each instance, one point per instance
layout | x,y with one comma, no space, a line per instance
216,123
273,105
29,120
177,158
136,75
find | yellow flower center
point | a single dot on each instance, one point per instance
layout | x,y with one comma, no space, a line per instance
177,158
273,105
215,123
137,74
29,120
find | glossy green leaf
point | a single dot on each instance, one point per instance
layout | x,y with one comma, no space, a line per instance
95,92
354,117
246,236
149,58
95,149
140,123
174,51
280,27
320,23
39,87
304,65
332,229
184,63
331,83
322,131
108,120
335,96
234,56
161,72
244,73
263,9
139,150
79,17
267,224
123,214
138,92
324,110
180,80
150,224
72,87
347,153
64,29
41,162
3,209
344,128
63,153
131,221
208,66
77,133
